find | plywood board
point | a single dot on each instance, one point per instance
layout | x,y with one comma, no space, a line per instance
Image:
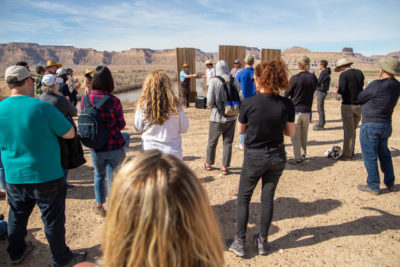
187,55
270,54
229,53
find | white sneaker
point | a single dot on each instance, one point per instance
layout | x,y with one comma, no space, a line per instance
240,147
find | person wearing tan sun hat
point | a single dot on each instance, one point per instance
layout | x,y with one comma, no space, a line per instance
52,66
351,82
88,80
210,71
378,101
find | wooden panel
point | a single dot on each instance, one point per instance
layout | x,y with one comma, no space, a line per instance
187,55
229,53
270,54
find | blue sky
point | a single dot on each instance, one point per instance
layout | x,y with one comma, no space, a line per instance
370,27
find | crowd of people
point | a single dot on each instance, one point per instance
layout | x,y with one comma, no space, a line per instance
158,213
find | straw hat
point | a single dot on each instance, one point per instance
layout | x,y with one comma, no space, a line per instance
185,66
89,71
209,62
390,65
51,63
342,62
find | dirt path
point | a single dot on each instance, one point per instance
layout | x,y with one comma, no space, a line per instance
320,217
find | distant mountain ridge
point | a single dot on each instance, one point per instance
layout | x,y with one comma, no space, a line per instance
36,54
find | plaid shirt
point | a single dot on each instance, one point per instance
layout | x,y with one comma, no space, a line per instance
112,116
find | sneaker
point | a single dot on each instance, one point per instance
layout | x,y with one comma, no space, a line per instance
365,188
74,259
240,147
391,189
262,244
299,162
237,247
70,187
317,127
100,210
28,249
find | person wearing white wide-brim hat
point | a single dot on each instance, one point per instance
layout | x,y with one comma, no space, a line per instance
351,83
378,101
210,71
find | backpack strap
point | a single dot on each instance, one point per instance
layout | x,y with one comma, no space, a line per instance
102,101
86,102
221,79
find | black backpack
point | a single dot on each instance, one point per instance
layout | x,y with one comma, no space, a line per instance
91,129
229,99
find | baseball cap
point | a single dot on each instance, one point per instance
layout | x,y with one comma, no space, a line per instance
61,71
50,79
16,74
237,61
249,59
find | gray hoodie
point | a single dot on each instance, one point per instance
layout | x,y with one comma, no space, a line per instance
214,88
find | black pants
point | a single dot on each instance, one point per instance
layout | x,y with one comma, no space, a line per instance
266,164
321,107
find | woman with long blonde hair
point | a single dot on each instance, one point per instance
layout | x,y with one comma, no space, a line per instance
160,215
159,116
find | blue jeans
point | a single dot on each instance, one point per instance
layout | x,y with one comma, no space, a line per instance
242,138
374,144
105,162
50,198
2,176
266,164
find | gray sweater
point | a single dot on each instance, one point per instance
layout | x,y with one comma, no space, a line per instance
214,88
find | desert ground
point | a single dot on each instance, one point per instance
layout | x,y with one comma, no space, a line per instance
320,218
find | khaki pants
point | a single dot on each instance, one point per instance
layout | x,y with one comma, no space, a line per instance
299,141
351,115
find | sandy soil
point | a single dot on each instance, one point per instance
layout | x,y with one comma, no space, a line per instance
320,217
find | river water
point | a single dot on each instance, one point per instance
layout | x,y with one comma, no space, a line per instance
134,95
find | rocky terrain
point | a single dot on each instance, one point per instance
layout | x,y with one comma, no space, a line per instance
36,54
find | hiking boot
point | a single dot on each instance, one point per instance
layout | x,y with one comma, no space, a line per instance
391,189
237,247
2,195
20,259
365,188
262,244
74,259
99,209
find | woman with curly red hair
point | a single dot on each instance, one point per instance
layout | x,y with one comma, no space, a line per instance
265,118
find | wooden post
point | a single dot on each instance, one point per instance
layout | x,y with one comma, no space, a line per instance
229,53
270,54
187,55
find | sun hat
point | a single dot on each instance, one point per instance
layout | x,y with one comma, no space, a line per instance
51,63
185,66
61,71
16,74
390,65
342,62
237,61
249,59
88,71
50,79
209,62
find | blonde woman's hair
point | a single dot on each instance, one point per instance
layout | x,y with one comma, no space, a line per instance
49,89
159,216
158,98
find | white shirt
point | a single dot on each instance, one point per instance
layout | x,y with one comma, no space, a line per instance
165,137
210,73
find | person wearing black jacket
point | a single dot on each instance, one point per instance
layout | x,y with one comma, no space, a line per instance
351,83
301,91
324,81
378,101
